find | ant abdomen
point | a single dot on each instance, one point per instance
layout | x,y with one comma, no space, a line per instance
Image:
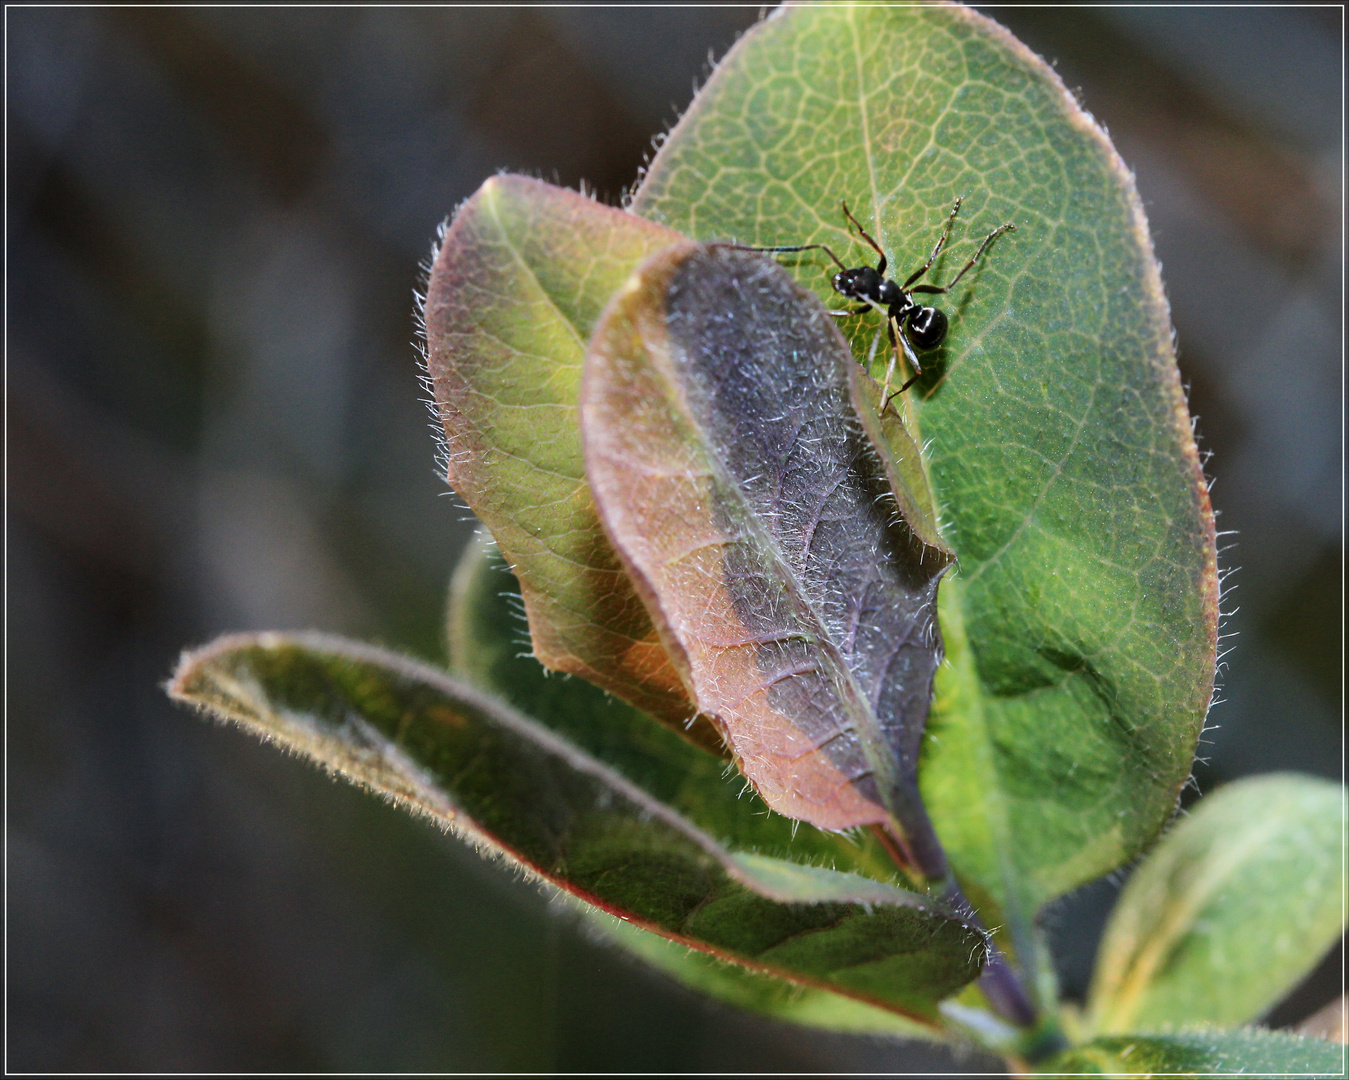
927,328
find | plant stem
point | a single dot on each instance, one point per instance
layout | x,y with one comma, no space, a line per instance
1002,986
915,841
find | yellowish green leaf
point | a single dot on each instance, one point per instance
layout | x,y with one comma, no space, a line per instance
1237,903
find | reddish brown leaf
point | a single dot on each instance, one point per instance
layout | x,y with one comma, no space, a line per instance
523,273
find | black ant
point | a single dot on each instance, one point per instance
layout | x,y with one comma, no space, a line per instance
912,325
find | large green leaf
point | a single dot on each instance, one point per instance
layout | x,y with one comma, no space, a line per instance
731,471
473,764
1246,1052
521,276
1081,624
488,646
1231,910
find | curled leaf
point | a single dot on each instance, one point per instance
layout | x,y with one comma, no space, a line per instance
522,273
760,526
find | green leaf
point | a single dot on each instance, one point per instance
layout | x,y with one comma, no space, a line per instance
1081,624
477,767
520,278
1247,1052
903,464
734,478
488,646
756,991
1237,903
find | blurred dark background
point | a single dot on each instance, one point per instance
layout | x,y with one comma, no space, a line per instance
215,218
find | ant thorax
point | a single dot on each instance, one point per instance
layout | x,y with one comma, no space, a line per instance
890,293
869,285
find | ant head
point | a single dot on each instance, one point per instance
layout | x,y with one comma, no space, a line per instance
927,328
860,283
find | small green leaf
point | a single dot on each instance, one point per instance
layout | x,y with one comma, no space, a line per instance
1246,1052
737,483
487,647
474,765
1232,909
521,276
1081,624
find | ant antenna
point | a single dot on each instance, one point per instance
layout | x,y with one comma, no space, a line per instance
880,269
1009,227
937,249
796,247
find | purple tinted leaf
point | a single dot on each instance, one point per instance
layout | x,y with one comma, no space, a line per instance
759,522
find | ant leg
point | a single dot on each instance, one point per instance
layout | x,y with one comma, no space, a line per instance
917,374
913,379
937,249
898,339
908,350
890,367
880,267
909,382
871,355
844,314
1009,227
